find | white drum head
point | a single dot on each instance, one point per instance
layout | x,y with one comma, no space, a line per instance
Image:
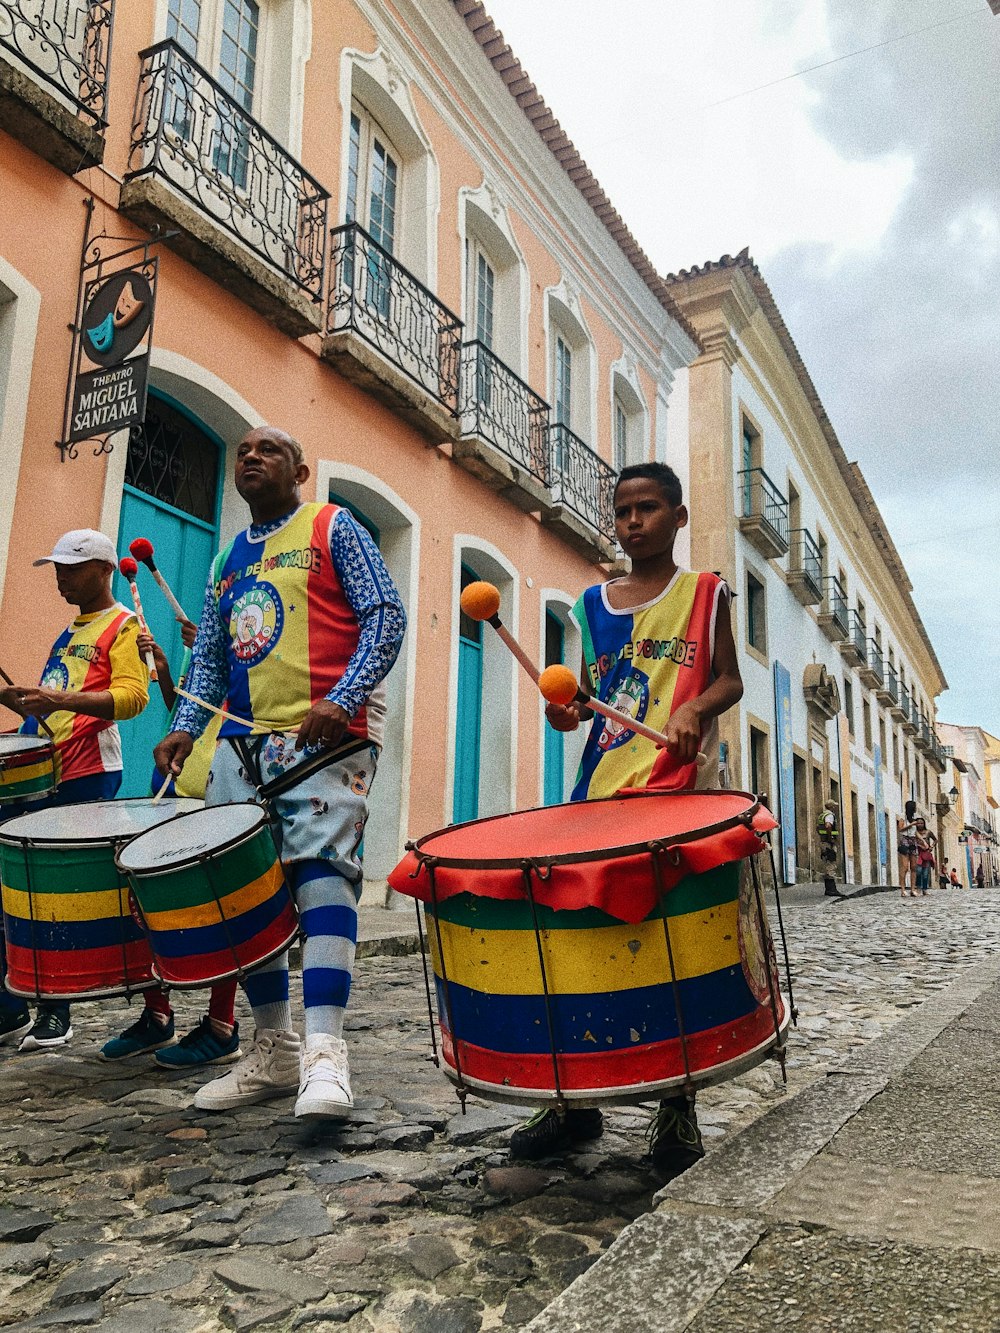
94,821
15,744
189,837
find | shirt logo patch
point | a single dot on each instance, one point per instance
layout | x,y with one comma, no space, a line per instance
631,696
55,677
255,623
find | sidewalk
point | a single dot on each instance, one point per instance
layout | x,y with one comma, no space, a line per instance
869,1201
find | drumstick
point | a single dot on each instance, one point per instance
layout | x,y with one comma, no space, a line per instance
128,569
41,721
163,788
481,601
142,550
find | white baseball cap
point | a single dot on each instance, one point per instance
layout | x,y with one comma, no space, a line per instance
73,548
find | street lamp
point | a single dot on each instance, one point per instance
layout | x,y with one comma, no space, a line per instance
953,796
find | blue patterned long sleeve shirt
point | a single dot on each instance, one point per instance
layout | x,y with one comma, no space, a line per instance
373,598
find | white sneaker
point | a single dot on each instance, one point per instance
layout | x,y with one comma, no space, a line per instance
325,1084
269,1069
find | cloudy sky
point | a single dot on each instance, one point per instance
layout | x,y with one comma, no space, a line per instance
868,190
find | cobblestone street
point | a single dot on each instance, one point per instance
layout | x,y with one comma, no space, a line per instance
123,1208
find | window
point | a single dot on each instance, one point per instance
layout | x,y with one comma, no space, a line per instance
881,741
571,366
750,458
484,286
563,382
794,508
849,704
866,720
862,614
372,180
760,768
756,614
621,435
823,558
895,752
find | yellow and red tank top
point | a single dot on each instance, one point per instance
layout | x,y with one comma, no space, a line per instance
88,655
646,661
290,630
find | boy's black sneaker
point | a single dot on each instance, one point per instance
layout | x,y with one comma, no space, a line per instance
674,1138
548,1132
14,1023
49,1029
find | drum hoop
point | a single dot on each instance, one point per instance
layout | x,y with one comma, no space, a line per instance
745,817
189,861
68,844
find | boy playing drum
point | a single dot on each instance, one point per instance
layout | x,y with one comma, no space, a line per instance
658,643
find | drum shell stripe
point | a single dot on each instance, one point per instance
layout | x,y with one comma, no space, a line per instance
194,884
240,928
67,934
207,913
25,780
203,969
692,894
78,973
610,1020
95,905
610,958
638,1066
60,872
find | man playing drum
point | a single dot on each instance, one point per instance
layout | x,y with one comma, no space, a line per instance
94,678
301,624
660,635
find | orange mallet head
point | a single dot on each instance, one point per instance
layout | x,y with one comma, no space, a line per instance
558,684
480,601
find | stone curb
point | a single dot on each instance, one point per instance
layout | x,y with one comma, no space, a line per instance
666,1266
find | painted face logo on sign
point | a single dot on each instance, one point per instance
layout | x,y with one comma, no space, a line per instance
255,623
117,317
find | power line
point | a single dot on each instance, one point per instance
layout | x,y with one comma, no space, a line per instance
847,55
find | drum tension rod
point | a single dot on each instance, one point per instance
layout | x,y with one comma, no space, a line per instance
427,981
656,850
460,1086
527,867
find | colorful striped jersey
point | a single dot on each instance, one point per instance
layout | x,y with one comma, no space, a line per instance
646,661
300,610
97,652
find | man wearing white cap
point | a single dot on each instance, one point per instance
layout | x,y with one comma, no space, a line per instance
93,678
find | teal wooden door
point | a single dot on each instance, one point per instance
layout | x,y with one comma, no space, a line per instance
171,496
554,749
468,728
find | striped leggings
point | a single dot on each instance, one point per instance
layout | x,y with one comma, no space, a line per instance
320,821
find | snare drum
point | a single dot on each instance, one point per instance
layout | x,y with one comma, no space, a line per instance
602,951
67,920
212,894
27,767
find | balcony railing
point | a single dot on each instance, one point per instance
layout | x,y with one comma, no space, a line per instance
373,296
581,480
805,568
833,613
498,407
66,44
189,131
892,686
764,512
857,632
876,662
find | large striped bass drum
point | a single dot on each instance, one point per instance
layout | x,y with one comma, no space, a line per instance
602,951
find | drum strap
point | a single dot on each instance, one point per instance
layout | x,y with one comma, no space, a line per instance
249,748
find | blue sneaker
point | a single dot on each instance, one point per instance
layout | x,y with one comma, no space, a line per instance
14,1023
202,1047
144,1036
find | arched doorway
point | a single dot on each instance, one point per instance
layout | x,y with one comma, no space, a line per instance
171,496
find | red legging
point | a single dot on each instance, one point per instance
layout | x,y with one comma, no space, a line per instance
220,1003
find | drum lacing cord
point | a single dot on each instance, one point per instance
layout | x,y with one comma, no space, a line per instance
771,972
528,868
205,858
430,864
781,930
423,957
656,850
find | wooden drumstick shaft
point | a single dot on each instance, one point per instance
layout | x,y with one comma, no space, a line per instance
137,603
175,605
631,723
515,647
41,721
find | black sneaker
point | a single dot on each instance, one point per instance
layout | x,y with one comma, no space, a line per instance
674,1137
14,1023
549,1132
143,1037
50,1028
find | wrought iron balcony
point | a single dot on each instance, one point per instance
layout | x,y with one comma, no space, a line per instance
892,690
388,332
832,617
503,429
248,213
805,567
854,649
763,513
909,706
582,487
54,58
876,668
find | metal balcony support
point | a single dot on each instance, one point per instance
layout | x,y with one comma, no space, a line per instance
763,513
